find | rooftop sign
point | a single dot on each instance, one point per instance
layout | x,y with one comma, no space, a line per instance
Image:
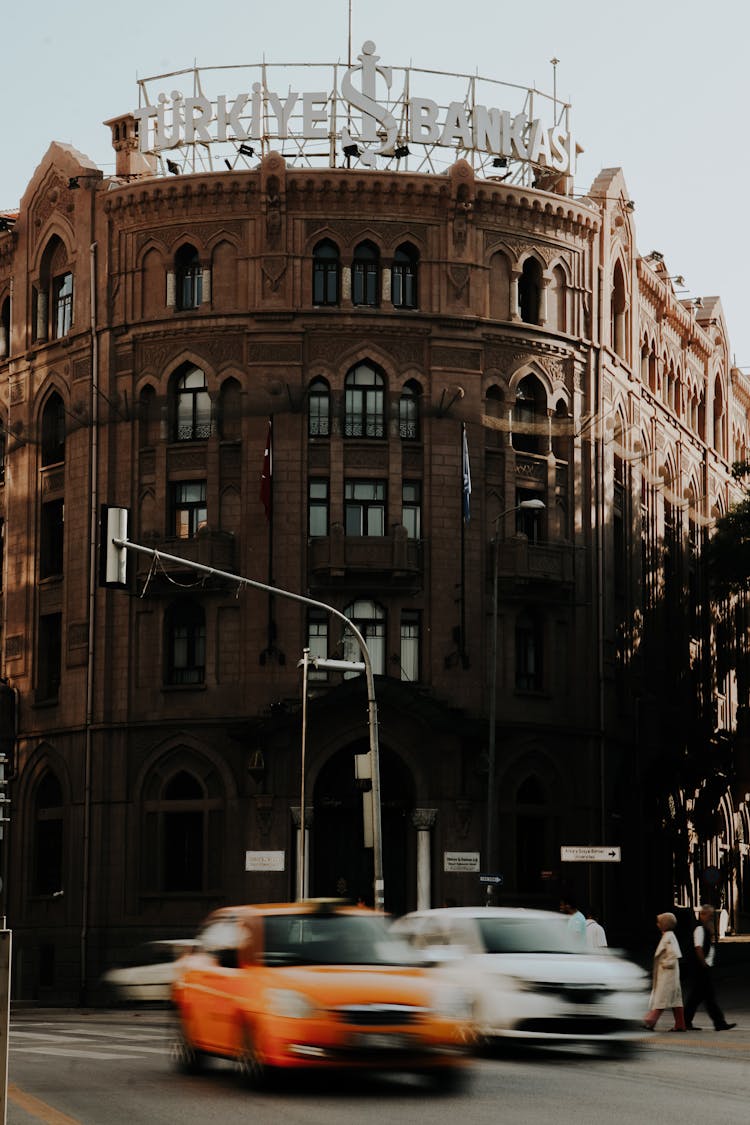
367,113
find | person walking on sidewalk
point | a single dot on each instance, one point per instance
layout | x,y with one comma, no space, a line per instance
666,991
702,984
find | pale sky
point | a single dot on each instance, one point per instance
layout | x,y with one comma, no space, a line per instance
660,88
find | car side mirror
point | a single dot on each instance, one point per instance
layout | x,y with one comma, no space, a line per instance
227,958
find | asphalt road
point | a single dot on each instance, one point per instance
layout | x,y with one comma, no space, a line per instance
112,1068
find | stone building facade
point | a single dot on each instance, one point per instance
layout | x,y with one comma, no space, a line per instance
156,335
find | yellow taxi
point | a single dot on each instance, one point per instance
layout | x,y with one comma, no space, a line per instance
315,984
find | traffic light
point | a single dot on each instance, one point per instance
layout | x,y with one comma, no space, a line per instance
113,559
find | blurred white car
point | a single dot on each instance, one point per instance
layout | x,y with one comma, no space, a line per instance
530,977
150,972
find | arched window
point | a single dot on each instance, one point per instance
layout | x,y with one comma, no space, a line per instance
533,853
557,301
48,837
366,275
326,273
719,421
188,278
530,426
192,405
529,291
53,431
319,409
54,296
404,277
364,403
619,307
183,826
499,287
5,329
408,411
185,643
148,418
230,406
561,431
369,617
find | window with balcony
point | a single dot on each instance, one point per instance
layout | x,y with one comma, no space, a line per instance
411,508
364,507
364,403
529,653
317,518
410,637
404,277
369,618
188,508
48,837
185,631
366,275
408,412
53,431
51,539
319,409
530,521
188,278
191,405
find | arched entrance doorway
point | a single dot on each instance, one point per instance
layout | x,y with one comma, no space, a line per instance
340,864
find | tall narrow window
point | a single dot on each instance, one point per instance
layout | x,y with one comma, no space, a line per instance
49,657
319,409
230,410
53,431
51,539
528,653
529,290
364,507
369,617
148,418
404,277
48,837
2,454
183,833
530,425
326,273
364,408
411,508
185,643
618,312
317,640
188,278
188,508
366,275
5,329
408,412
410,645
317,508
192,405
62,304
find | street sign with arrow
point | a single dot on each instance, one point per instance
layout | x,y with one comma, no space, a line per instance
584,854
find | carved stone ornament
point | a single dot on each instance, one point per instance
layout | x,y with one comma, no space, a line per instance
54,196
458,276
424,819
296,818
156,355
274,268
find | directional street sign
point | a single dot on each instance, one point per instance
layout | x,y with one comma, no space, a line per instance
491,879
584,854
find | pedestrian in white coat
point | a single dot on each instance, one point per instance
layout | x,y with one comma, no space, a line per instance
666,991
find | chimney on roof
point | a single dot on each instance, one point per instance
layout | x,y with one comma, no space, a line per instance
130,162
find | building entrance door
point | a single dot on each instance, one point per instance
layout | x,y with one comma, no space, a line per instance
341,866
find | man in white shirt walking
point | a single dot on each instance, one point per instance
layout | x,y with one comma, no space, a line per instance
702,984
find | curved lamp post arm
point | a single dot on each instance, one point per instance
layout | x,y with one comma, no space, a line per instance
372,710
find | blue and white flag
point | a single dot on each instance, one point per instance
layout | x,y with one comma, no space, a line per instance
466,474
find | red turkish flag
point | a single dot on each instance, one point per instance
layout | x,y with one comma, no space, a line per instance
267,474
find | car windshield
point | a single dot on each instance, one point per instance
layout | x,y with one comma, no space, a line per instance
529,935
333,939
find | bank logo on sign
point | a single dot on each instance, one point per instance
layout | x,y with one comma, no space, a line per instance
373,113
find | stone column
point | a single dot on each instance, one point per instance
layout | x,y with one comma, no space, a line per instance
424,821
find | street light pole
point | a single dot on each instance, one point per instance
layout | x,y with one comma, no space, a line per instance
527,505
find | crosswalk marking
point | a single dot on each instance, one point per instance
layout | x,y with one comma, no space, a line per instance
106,1041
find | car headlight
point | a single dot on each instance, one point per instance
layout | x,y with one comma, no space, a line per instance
453,1003
285,1002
